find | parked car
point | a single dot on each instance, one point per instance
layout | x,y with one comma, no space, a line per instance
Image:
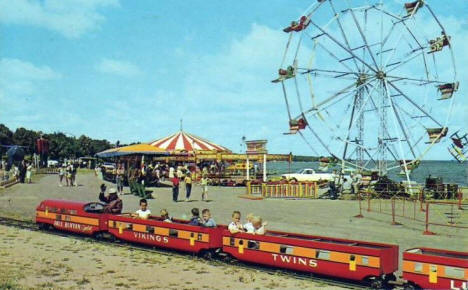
52,163
308,174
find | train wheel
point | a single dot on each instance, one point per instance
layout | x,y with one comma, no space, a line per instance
375,282
387,279
227,258
207,254
44,227
98,236
410,286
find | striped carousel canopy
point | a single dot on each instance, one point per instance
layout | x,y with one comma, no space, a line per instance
185,142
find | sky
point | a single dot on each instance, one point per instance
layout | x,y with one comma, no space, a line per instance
131,70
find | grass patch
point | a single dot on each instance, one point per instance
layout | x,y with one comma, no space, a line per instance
83,281
45,285
9,284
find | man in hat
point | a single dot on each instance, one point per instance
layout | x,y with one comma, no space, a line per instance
114,203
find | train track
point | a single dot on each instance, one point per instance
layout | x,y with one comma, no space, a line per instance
31,226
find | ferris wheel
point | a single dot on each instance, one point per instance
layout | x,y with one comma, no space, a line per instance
370,84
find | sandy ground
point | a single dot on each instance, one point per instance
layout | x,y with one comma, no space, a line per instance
320,217
35,260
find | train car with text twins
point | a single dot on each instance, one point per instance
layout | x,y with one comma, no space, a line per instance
373,263
435,269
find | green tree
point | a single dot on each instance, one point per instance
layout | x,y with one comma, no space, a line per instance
61,146
26,138
6,138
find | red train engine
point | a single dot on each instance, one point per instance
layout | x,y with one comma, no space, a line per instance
72,216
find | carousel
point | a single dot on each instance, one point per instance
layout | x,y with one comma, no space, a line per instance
189,153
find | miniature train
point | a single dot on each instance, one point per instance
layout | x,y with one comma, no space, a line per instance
371,263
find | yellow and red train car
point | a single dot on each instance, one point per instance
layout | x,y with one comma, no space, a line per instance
348,259
435,269
178,235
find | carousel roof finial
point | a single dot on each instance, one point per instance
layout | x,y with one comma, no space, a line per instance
181,128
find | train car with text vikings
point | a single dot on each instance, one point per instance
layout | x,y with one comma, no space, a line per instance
373,263
178,235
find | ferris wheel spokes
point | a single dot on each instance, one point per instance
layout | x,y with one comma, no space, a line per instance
366,44
343,34
400,123
391,77
318,108
416,105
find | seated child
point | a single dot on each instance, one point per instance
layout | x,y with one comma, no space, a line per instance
195,220
143,212
258,225
207,220
248,227
235,226
165,216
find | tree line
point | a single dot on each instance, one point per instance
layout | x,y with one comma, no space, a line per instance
61,146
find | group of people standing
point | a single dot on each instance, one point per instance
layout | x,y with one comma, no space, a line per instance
187,179
68,172
344,185
22,172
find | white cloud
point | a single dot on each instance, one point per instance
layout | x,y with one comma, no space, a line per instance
23,101
19,77
72,18
21,70
118,67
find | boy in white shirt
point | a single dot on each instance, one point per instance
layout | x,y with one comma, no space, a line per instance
235,226
143,212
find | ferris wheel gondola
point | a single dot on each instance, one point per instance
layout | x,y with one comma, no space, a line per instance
369,86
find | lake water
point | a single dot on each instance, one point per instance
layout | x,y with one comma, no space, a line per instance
450,171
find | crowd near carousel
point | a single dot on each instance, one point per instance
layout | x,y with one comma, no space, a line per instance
182,155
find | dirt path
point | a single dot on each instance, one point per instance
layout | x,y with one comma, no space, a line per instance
35,260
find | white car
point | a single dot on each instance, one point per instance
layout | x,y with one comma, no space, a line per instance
52,163
308,174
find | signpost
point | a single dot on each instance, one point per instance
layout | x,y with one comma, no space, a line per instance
256,148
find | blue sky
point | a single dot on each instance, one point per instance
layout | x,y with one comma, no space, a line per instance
130,70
